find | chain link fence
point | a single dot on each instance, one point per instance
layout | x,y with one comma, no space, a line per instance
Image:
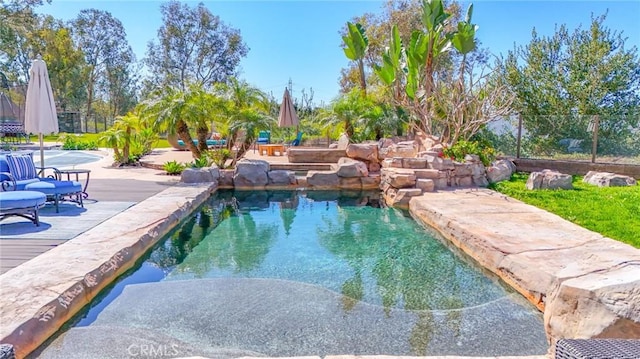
597,139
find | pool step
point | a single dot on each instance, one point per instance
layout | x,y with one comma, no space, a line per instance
301,167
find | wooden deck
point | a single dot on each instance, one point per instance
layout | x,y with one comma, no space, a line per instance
14,252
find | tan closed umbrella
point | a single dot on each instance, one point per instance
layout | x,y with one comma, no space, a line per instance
40,114
288,116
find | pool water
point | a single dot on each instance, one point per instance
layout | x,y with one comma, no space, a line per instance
318,273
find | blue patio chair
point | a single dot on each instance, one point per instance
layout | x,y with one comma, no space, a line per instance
298,140
264,138
19,173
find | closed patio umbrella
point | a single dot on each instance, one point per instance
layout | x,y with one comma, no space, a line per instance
288,116
40,109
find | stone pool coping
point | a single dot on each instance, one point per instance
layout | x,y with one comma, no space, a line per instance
587,285
39,296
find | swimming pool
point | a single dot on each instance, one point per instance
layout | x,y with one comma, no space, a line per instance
316,273
64,158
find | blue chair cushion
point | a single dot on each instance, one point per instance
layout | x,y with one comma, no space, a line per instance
21,184
21,199
21,167
209,142
51,188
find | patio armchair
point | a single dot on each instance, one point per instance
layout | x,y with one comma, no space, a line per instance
298,140
19,173
264,138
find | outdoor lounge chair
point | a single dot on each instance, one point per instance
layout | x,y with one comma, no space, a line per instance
24,204
19,173
210,143
298,140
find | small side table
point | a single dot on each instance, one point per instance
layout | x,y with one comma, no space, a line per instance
78,172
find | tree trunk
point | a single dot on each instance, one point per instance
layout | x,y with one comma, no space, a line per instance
182,130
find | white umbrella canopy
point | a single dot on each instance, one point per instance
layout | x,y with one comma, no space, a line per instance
288,116
40,114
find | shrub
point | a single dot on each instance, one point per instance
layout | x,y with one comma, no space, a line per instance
75,142
173,167
463,148
219,156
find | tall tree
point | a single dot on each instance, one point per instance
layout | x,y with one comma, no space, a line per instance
103,40
194,46
562,80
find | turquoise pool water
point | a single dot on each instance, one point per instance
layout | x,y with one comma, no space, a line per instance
316,273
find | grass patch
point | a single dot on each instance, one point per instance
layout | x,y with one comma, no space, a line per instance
94,137
612,211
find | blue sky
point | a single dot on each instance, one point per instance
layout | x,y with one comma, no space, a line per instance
299,40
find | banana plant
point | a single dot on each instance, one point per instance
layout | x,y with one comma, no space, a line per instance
464,39
356,43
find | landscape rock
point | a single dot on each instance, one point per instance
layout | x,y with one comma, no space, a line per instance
400,149
350,183
401,197
462,169
343,142
226,178
395,162
282,177
348,167
197,175
500,171
549,179
374,166
608,179
251,173
416,163
466,181
401,180
314,155
426,185
323,179
363,151
429,174
603,304
370,182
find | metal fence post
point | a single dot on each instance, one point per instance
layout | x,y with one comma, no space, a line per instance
594,149
519,135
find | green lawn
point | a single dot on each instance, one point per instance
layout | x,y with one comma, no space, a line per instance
161,143
612,211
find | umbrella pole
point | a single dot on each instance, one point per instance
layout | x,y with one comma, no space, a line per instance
40,136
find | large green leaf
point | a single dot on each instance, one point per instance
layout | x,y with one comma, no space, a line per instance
355,41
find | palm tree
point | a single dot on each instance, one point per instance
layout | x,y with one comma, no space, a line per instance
174,111
345,111
246,110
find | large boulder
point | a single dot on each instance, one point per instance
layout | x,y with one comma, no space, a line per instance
399,178
500,171
363,151
601,304
400,149
226,179
608,179
251,173
323,179
282,177
348,167
401,197
200,175
549,179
